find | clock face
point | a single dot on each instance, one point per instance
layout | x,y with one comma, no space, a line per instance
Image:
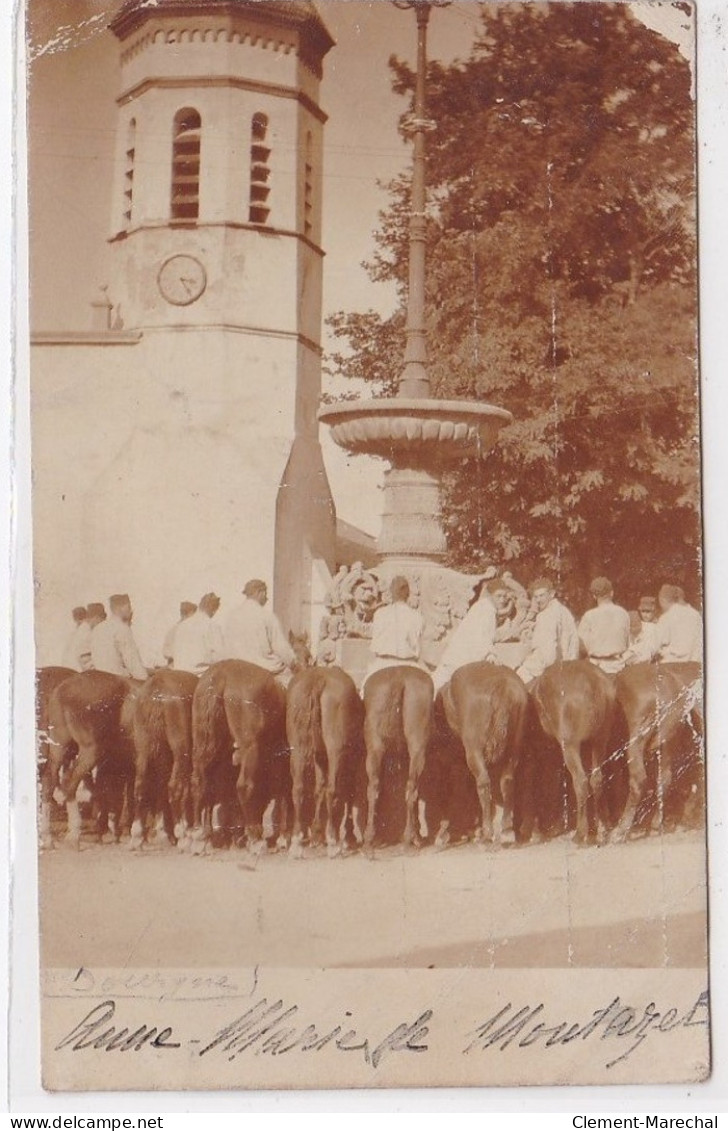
181,279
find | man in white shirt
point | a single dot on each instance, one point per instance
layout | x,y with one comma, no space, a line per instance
198,640
396,631
554,632
679,629
186,610
254,634
77,653
113,648
473,639
604,630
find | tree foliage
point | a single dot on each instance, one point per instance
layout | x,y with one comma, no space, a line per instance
561,285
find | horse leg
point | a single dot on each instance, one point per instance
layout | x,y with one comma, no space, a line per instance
416,716
574,764
320,797
507,787
85,762
475,758
336,830
637,783
375,757
141,790
298,771
249,755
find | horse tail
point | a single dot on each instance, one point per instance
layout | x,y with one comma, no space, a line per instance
207,719
303,721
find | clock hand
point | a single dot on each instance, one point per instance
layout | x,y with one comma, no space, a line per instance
188,283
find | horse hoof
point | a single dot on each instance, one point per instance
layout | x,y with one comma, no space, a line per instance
199,847
369,851
257,848
136,842
73,841
333,850
296,850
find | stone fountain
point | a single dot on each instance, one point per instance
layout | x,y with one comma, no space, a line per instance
417,434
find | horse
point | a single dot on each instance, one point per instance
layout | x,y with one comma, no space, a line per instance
92,710
656,700
485,706
324,729
398,716
162,728
46,681
575,702
238,720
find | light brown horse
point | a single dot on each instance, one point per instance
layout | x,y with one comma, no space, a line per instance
324,728
398,716
162,730
93,711
239,740
657,700
575,704
485,706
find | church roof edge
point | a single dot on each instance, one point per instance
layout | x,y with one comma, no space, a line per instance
301,14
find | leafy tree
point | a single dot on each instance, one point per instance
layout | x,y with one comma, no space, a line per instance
561,285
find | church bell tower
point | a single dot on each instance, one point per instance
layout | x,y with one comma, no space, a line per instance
216,245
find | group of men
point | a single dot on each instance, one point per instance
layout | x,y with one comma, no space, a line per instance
251,632
607,634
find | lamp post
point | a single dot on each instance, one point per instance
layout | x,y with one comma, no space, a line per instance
416,433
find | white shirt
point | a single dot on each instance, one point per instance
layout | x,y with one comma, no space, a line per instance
680,634
77,654
397,631
114,650
645,645
554,638
471,642
604,632
197,643
254,634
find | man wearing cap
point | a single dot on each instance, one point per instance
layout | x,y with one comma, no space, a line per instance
253,633
473,639
554,632
396,631
198,640
77,653
186,610
679,629
604,630
113,647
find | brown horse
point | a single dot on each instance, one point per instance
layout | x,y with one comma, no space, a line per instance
485,706
163,741
398,719
324,729
239,740
575,702
92,710
46,681
657,700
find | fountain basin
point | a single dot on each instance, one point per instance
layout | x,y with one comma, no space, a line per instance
424,432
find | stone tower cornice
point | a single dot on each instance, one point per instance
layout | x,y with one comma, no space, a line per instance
280,25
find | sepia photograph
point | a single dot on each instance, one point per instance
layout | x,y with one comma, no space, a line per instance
368,567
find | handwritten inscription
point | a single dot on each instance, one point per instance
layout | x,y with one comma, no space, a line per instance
273,1028
528,1026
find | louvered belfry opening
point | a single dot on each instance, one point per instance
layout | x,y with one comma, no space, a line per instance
308,189
186,165
259,210
129,171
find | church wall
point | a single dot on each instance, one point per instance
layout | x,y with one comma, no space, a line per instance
156,470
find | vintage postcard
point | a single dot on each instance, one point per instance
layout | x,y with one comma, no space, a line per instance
366,463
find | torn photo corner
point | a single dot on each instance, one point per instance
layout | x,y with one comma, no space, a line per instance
366,461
